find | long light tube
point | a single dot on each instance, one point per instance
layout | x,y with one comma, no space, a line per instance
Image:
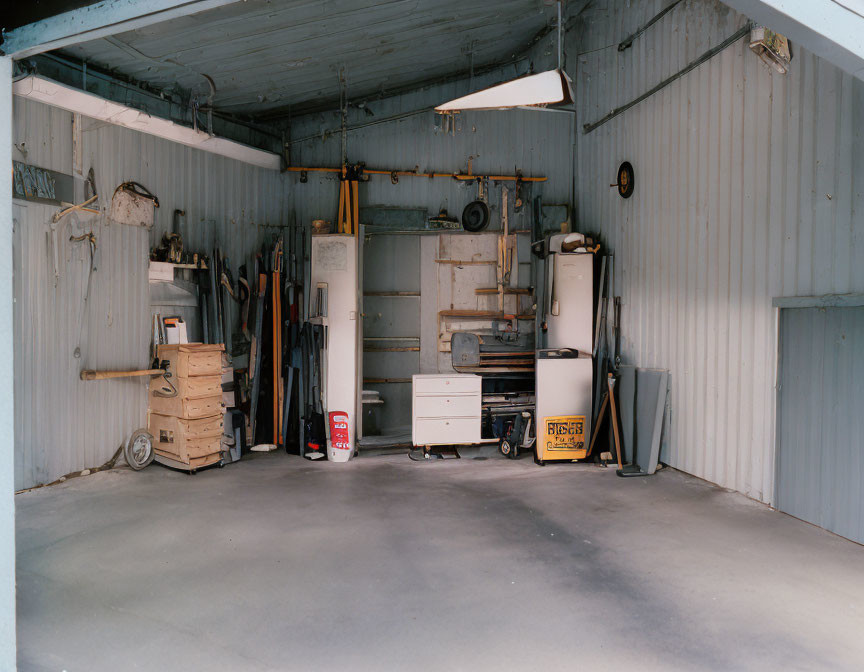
546,88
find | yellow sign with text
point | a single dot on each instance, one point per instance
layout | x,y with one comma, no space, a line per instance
564,433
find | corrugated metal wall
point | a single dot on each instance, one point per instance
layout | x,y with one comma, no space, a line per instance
61,423
536,143
749,185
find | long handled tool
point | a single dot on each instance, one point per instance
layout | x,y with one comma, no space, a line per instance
614,411
349,201
624,470
276,293
344,205
355,206
88,374
608,402
168,388
597,423
256,352
506,254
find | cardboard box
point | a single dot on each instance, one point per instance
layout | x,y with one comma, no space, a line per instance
161,271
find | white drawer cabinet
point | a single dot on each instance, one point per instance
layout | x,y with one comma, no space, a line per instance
446,409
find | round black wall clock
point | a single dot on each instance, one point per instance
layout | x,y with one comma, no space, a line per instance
626,180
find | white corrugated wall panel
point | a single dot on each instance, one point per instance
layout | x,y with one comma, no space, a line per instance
748,187
63,424
535,143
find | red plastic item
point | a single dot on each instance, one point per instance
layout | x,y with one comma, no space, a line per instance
339,436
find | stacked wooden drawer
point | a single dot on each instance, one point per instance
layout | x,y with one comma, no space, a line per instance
187,428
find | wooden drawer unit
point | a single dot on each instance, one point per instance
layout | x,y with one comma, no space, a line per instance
197,397
185,440
446,409
193,359
191,463
196,387
187,428
188,409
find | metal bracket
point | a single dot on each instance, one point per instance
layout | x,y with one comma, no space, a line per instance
171,390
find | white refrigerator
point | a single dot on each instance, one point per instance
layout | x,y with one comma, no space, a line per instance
564,379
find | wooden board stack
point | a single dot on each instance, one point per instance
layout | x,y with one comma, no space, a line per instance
187,428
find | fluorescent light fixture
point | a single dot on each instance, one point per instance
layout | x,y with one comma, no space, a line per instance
52,93
546,88
552,87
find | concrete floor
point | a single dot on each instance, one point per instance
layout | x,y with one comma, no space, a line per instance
385,564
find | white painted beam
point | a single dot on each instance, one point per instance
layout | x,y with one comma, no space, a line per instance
75,100
102,19
7,376
831,29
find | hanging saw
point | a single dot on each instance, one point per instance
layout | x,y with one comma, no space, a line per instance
91,239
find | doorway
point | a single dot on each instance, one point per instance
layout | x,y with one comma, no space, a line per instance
820,452
391,333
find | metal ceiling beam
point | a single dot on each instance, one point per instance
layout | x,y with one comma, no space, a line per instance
103,19
170,104
72,99
831,29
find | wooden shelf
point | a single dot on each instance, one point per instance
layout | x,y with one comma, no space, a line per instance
484,314
457,262
159,271
201,266
494,369
412,349
507,290
391,338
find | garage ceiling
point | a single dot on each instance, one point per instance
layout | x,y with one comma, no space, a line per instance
265,56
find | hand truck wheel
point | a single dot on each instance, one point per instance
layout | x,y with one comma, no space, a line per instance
138,450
